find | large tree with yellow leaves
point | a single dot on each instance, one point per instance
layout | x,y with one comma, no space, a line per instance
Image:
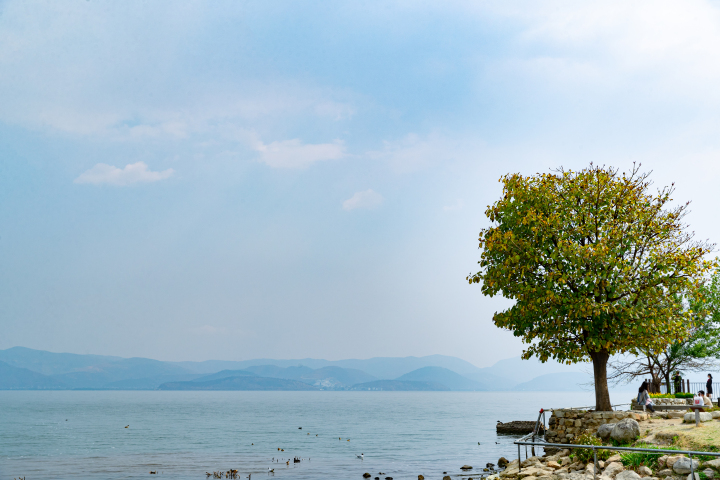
595,262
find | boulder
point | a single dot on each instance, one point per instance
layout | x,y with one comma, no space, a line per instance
420,477
625,431
614,458
466,467
661,461
447,477
675,414
502,462
644,471
605,430
713,464
670,461
627,475
709,473
693,476
715,414
553,464
682,466
666,472
613,469
704,417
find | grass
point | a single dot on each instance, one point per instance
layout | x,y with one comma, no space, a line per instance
638,459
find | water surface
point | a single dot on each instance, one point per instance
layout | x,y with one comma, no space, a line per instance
82,434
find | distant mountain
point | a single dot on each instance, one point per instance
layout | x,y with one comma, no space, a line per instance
224,374
15,378
49,363
73,371
557,382
378,367
248,382
326,377
442,376
400,386
505,374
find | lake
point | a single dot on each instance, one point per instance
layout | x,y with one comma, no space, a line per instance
82,434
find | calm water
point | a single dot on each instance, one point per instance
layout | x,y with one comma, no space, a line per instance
81,434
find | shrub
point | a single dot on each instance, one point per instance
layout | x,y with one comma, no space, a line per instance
662,395
684,395
585,455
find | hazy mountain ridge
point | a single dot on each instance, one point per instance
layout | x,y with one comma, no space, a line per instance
24,370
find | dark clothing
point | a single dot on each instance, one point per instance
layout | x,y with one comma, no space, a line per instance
708,390
678,383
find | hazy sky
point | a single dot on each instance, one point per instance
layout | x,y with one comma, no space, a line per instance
231,180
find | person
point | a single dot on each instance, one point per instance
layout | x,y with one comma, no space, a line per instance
709,385
706,400
643,397
677,379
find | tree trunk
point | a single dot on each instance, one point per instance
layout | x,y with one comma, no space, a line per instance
667,382
602,395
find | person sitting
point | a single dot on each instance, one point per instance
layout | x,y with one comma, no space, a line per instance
707,401
644,398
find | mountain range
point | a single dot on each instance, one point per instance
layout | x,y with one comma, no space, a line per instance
27,369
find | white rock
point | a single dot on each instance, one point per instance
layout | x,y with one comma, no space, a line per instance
605,430
715,414
682,466
670,461
644,471
704,417
627,475
710,473
613,469
714,464
625,431
696,475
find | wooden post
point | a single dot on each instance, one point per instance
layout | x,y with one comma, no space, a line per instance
688,385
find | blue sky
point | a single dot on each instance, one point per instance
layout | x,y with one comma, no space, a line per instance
234,180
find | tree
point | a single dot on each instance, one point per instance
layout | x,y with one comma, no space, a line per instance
700,350
595,263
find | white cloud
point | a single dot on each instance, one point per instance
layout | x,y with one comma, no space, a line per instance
367,199
413,152
132,173
458,205
295,154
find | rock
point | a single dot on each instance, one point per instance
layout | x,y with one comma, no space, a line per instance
704,417
529,472
713,464
565,460
367,475
466,467
590,469
420,477
675,414
682,465
695,475
614,458
502,462
530,461
661,461
625,431
553,464
604,431
670,461
709,473
644,471
627,475
447,477
518,427
715,414
665,472
601,464
613,469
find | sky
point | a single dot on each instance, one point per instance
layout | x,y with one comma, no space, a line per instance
235,180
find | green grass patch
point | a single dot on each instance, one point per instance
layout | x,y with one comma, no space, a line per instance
634,460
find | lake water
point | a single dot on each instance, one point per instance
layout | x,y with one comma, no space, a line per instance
82,434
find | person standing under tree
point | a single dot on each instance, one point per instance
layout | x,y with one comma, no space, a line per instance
709,385
677,380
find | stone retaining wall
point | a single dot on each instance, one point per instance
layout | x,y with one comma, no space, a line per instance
565,426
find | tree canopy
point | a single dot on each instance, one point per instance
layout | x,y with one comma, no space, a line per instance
595,262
